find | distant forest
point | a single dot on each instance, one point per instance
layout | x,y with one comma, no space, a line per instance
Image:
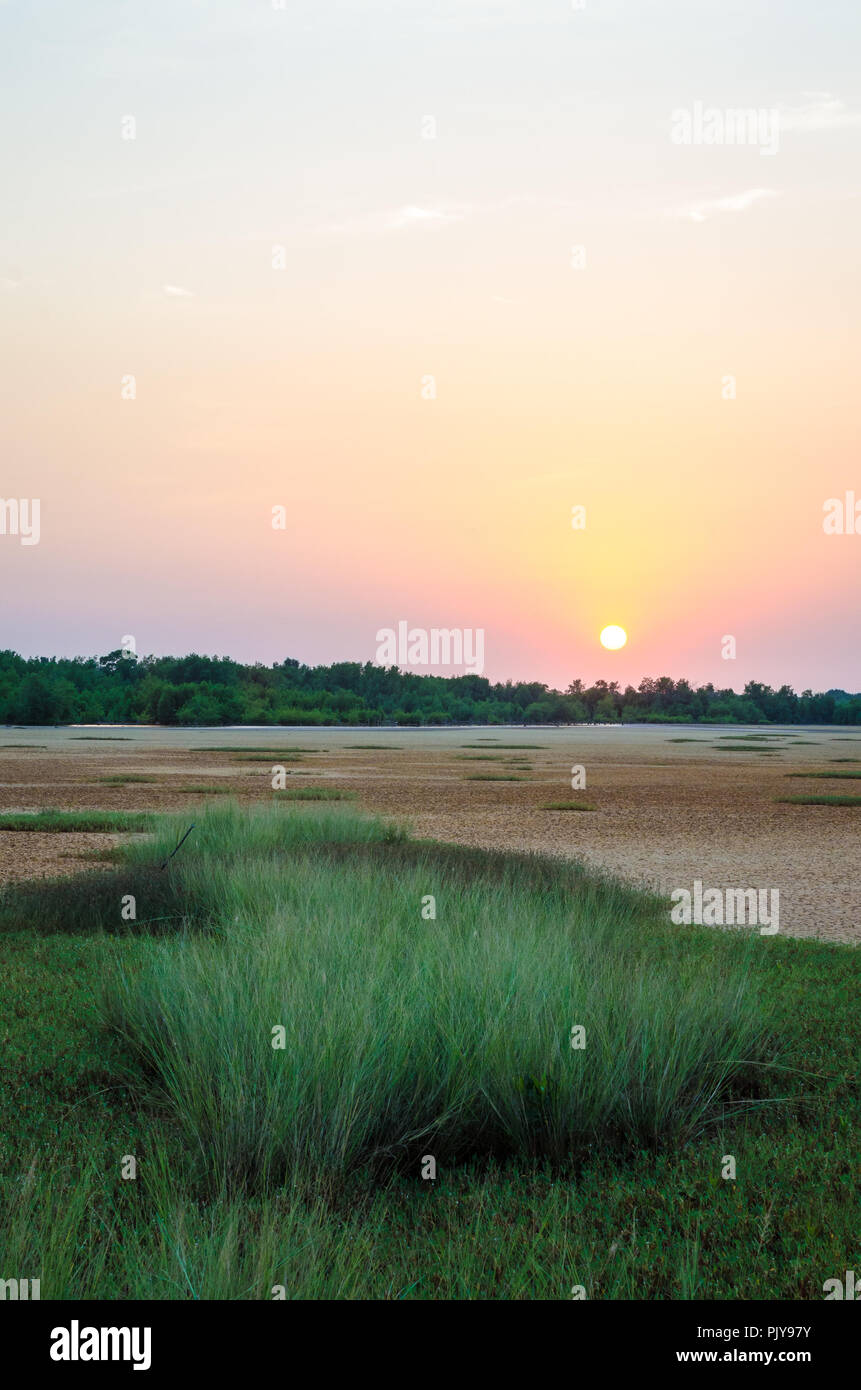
205,690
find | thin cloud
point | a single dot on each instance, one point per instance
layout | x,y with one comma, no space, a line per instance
177,292
821,111
414,216
411,216
711,207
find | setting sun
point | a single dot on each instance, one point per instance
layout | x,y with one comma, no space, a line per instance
613,637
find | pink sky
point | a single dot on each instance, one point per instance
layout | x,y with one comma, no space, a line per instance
404,258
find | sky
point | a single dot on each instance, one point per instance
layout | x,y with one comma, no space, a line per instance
428,276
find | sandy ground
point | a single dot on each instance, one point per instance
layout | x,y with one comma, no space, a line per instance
665,813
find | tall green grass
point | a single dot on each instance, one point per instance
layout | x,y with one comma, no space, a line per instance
638,1214
405,1035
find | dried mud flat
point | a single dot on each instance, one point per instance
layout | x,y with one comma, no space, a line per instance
665,813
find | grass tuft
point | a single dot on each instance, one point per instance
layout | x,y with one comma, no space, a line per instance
121,779
493,777
746,748
73,822
851,775
315,794
820,800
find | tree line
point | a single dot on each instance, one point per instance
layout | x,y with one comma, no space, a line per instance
206,690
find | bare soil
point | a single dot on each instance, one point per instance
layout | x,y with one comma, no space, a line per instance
665,813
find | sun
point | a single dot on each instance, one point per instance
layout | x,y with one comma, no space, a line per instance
613,637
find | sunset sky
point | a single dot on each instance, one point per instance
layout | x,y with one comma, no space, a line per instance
406,257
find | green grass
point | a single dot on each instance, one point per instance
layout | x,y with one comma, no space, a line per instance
567,806
398,1039
120,779
506,745
269,758
73,822
205,789
249,748
102,738
851,775
492,777
111,854
821,800
408,1037
396,747
844,760
315,794
23,745
745,748
750,738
